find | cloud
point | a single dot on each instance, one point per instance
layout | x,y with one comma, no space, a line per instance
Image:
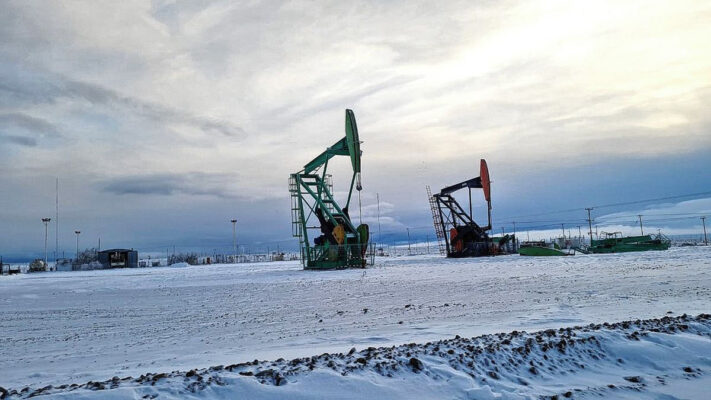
680,218
28,123
144,94
331,101
25,129
19,140
96,94
43,87
669,213
192,184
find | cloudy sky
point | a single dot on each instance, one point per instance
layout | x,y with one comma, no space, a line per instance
165,119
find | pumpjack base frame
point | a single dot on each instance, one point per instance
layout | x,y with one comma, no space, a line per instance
309,193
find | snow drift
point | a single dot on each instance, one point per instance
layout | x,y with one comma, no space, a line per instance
655,358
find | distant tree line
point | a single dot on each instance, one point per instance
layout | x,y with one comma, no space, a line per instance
87,256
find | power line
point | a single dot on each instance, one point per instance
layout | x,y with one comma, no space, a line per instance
607,222
556,221
620,219
657,199
541,214
609,205
652,215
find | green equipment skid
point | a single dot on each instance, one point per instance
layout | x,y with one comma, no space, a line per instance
614,242
543,249
340,244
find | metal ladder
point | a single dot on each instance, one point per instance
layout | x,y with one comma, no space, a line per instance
439,230
296,224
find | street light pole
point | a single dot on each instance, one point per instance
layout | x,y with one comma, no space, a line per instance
590,223
45,221
77,233
377,196
408,242
234,240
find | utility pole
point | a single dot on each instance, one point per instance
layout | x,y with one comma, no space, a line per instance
590,223
45,221
706,239
377,196
77,256
428,243
514,231
56,223
234,239
562,226
580,232
640,224
502,231
408,242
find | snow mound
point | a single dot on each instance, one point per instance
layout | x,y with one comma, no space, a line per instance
179,265
655,358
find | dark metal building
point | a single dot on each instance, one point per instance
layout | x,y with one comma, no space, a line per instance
119,258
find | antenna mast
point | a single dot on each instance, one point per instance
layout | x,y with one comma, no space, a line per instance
56,222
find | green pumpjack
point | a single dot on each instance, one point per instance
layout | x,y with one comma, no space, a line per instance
341,244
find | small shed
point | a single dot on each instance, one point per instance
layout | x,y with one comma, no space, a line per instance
64,264
119,258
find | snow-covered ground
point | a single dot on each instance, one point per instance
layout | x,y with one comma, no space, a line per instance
649,359
73,327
